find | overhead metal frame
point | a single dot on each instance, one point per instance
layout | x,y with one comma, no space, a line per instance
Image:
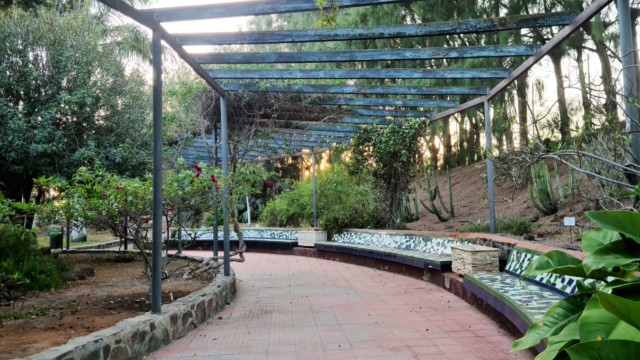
152,17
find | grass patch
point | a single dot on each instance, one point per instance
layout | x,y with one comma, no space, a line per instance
505,226
18,315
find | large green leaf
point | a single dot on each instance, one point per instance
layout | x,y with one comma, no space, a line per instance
625,309
615,254
605,350
556,262
560,315
625,222
596,323
557,343
597,238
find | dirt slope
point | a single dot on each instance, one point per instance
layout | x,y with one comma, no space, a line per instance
471,206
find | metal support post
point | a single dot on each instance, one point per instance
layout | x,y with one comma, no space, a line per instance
156,271
313,182
216,207
216,210
490,183
225,188
630,90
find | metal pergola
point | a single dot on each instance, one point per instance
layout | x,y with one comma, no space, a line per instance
379,103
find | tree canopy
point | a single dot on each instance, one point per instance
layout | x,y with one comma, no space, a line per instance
68,98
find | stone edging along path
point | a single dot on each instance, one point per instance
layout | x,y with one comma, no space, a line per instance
137,337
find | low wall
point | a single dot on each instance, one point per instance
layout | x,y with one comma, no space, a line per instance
137,337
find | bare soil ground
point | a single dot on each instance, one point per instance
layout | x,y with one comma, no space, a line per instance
471,207
116,292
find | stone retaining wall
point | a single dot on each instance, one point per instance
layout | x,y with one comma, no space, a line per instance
137,337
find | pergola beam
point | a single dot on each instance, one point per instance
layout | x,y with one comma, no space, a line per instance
360,74
463,52
469,26
251,8
393,113
149,22
385,102
351,89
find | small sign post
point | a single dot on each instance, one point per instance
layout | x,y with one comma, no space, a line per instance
570,221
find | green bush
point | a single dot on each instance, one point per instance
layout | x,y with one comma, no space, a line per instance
505,226
342,200
25,264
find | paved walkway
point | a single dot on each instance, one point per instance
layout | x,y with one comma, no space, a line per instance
290,307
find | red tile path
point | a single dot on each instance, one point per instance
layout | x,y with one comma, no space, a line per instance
290,307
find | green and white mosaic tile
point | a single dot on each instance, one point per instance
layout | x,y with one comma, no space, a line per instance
267,234
530,298
520,259
425,244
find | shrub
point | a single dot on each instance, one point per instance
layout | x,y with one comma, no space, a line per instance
342,201
22,262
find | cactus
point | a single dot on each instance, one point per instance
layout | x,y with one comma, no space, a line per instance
407,214
433,194
547,202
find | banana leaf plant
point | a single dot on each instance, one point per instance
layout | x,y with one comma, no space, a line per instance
602,320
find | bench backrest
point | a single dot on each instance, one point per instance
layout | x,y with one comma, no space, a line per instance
520,259
440,246
248,234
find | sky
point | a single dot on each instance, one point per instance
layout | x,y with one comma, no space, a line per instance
233,24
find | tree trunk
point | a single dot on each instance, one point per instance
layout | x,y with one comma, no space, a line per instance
462,138
610,106
565,121
448,146
587,106
523,128
473,141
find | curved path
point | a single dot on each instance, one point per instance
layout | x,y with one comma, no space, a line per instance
291,307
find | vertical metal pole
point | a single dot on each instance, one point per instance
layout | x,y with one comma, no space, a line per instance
488,150
215,143
216,207
313,186
216,210
156,271
630,90
225,188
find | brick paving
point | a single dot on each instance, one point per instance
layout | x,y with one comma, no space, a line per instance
291,307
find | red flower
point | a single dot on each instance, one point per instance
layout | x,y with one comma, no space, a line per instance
197,174
104,195
198,168
271,184
118,187
213,178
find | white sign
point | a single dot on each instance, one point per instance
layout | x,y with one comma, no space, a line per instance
570,221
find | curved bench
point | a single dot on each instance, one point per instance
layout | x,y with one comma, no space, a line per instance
525,301
264,238
415,250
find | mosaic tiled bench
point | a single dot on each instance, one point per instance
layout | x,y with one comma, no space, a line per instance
419,251
522,302
274,238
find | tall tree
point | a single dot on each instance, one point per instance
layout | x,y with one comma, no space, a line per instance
66,99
